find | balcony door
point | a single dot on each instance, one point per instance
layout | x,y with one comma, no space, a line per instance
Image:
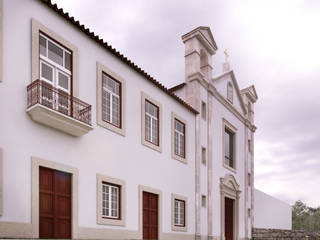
56,75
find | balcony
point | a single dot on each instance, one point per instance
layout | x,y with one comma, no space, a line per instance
57,109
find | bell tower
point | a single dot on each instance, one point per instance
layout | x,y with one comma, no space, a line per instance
199,49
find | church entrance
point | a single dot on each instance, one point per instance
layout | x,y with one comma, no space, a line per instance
228,218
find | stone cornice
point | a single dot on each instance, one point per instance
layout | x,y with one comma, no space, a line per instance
213,91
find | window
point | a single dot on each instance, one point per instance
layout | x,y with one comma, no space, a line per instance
204,201
203,110
229,146
230,92
249,146
179,138
229,150
249,212
204,156
249,179
111,198
110,201
179,213
151,122
111,100
55,64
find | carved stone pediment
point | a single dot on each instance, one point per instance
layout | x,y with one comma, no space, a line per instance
229,185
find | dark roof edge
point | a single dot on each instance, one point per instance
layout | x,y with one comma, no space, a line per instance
116,53
177,87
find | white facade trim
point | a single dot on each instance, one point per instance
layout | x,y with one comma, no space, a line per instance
36,29
119,130
175,156
144,142
186,206
108,221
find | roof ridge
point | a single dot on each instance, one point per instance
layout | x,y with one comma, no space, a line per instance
115,52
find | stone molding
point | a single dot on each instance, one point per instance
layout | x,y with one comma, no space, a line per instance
100,69
38,162
145,97
231,189
186,206
173,155
108,221
36,28
1,41
213,91
210,166
141,189
228,125
1,181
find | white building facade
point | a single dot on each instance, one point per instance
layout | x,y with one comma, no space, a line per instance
92,147
270,212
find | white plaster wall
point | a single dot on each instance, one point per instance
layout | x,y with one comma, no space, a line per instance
181,92
203,168
100,151
220,112
270,212
221,86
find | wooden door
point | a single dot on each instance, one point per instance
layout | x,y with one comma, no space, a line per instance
54,204
228,218
150,215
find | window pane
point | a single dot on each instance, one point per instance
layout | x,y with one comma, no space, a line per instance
155,131
227,145
106,108
63,81
148,128
115,111
182,145
67,60
43,46
46,72
55,53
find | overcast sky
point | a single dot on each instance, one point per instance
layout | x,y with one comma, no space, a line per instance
273,44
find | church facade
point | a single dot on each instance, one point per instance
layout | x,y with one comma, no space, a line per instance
93,147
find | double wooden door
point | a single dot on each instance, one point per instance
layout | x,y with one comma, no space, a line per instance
228,218
150,216
54,203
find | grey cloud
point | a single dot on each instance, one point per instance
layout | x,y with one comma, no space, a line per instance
284,73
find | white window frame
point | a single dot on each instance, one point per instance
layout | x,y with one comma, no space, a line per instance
112,94
110,187
179,220
174,226
144,142
227,125
151,124
178,142
102,123
107,220
55,66
183,159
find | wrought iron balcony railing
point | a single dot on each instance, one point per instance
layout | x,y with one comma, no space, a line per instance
40,92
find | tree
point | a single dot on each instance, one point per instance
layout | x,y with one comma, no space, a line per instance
305,218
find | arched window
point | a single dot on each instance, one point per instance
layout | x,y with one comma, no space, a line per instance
230,92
